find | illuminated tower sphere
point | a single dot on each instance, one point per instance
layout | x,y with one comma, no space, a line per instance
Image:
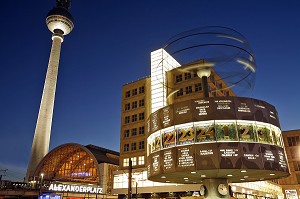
60,23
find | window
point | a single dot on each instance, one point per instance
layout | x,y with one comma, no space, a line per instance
141,130
133,146
198,87
126,147
195,74
133,131
127,94
141,145
127,119
178,78
180,92
141,160
127,107
296,166
134,118
134,104
133,160
134,91
126,133
187,76
141,103
293,141
188,89
141,116
141,89
126,162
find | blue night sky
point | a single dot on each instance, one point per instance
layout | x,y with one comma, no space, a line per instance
110,46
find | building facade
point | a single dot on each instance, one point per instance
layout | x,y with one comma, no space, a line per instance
291,184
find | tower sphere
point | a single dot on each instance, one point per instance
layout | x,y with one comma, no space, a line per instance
60,18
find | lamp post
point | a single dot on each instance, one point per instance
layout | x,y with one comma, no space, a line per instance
41,183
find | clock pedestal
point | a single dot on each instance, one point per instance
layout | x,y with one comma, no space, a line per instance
216,188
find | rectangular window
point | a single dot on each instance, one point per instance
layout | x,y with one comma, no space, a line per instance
126,147
126,133
133,160
293,141
141,145
198,87
134,92
127,106
127,94
187,76
141,103
188,89
133,131
141,116
141,89
126,162
134,118
127,119
178,78
134,105
296,166
141,160
133,146
180,92
141,130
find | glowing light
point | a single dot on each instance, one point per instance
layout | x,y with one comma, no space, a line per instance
243,171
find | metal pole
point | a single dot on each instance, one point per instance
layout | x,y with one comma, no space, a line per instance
136,185
205,86
130,179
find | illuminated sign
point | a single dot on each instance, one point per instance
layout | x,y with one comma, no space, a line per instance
75,188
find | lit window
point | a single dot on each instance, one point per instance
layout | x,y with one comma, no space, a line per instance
198,87
133,160
126,147
127,107
141,116
141,160
180,92
133,131
179,78
133,146
126,133
126,162
127,94
134,118
141,103
141,145
141,130
134,104
187,76
134,91
188,89
127,119
142,89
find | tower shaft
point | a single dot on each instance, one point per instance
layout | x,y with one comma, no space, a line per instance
41,140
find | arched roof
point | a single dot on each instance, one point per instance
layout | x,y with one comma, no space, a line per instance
75,162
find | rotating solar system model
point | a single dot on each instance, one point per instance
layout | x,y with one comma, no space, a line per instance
216,138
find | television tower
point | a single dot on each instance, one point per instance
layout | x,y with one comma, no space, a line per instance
60,23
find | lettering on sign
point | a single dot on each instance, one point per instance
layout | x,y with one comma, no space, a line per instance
203,105
269,155
184,158
75,188
244,108
229,152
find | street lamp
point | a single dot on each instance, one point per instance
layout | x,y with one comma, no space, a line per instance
41,183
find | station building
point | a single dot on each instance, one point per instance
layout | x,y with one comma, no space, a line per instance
74,171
